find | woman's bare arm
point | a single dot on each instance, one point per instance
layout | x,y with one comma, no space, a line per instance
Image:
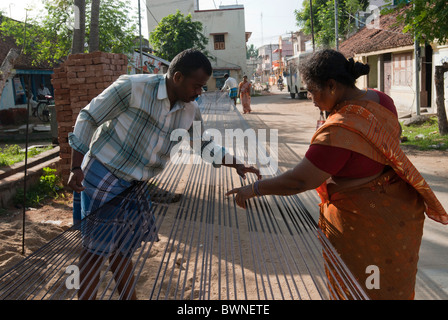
305,176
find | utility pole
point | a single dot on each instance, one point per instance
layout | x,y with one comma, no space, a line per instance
312,24
262,40
270,62
280,54
417,73
336,31
140,33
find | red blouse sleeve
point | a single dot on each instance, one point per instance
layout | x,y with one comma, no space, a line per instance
328,158
343,162
386,101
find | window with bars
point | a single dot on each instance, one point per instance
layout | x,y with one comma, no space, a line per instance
402,69
219,41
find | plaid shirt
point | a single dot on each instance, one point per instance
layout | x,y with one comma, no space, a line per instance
128,127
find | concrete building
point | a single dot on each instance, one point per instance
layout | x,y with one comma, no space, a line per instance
225,29
285,51
267,54
253,71
301,43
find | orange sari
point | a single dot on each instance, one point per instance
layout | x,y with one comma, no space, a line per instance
244,88
379,223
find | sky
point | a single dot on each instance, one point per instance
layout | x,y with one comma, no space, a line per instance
266,19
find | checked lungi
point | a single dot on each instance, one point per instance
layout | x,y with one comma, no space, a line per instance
112,214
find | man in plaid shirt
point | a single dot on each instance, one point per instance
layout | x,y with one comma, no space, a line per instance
123,136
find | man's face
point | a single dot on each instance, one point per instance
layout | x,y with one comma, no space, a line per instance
189,88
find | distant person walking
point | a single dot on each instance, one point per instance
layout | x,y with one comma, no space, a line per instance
232,84
244,94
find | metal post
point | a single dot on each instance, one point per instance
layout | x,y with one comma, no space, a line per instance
417,72
270,63
140,33
336,31
417,75
312,24
28,98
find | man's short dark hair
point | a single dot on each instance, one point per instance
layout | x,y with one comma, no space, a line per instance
226,75
189,61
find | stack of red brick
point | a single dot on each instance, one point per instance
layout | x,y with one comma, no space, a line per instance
80,79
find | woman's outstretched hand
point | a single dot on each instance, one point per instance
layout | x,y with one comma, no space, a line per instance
242,194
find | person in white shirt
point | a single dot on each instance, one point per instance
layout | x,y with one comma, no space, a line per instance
232,84
42,92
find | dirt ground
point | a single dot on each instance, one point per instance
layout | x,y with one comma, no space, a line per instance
295,120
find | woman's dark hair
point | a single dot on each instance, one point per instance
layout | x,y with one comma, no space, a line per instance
189,61
328,64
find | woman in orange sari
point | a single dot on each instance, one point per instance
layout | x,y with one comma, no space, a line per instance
373,199
244,94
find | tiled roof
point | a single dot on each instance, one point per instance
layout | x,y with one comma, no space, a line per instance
388,35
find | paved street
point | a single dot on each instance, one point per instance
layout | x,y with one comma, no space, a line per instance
296,122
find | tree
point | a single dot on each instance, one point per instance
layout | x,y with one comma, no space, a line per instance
50,35
427,20
94,39
251,52
117,28
324,19
175,33
47,39
79,31
440,98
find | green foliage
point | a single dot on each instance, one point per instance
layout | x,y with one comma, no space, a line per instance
251,52
117,32
428,20
49,36
175,33
48,187
324,19
11,154
425,136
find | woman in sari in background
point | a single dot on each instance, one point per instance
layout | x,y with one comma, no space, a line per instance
373,199
244,94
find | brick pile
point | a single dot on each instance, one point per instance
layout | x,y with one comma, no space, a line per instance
80,79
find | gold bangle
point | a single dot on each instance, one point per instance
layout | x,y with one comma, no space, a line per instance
253,189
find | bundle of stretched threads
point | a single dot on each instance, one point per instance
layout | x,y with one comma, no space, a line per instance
203,254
